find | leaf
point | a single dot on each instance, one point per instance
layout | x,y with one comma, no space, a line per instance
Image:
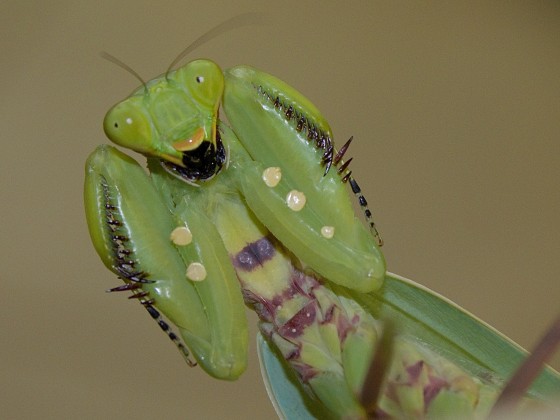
282,386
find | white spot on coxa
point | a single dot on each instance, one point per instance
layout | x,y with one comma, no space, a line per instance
295,200
181,236
272,176
196,272
327,231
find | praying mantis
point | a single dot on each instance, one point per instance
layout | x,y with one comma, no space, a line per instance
258,211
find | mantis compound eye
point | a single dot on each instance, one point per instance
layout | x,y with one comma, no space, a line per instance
204,81
126,125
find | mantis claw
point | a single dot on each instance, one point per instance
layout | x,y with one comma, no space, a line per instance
124,287
118,189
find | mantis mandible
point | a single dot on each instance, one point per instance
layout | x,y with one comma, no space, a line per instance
257,211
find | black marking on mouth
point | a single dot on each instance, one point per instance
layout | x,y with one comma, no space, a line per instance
201,164
254,255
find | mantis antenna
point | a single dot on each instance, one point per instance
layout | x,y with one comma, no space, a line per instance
245,19
123,66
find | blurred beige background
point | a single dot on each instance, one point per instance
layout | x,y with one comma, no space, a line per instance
455,110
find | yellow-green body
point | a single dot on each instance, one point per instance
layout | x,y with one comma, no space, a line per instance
173,116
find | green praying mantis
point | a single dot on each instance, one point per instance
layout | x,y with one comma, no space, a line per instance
258,211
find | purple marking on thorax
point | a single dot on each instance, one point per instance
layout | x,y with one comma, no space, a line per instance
414,371
433,388
298,284
254,255
297,324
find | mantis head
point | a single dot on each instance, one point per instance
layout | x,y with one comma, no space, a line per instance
173,117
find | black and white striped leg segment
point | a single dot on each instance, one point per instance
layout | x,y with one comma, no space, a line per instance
141,295
154,313
367,212
346,176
